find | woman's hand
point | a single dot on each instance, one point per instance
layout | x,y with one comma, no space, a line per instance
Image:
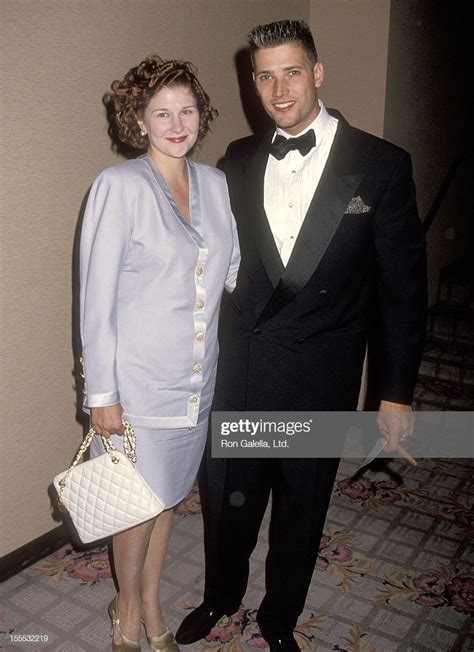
107,420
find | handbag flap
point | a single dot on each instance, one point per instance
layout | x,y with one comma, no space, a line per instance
104,498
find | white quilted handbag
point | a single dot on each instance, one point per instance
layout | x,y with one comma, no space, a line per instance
106,495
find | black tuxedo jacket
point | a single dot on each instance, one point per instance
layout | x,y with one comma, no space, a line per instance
294,338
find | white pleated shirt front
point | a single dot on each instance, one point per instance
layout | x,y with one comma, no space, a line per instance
290,184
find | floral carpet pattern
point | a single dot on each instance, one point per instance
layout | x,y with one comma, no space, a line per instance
241,632
338,558
89,567
394,573
374,495
446,586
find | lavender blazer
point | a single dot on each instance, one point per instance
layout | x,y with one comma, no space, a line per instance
151,286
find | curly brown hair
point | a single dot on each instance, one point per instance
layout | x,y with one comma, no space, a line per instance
132,94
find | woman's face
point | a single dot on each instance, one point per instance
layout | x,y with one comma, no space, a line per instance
171,120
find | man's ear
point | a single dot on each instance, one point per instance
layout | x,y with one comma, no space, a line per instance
255,84
318,73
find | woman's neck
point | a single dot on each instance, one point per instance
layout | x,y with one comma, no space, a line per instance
175,173
170,168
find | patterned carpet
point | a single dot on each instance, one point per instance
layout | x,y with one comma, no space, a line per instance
395,573
446,377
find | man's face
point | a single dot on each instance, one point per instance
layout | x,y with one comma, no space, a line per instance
287,84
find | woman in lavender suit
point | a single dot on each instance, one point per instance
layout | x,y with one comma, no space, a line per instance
158,247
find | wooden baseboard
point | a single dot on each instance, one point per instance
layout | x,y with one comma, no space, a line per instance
32,552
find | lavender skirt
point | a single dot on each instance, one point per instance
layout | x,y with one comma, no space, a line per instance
167,459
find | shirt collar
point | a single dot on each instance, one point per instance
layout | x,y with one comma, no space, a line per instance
319,126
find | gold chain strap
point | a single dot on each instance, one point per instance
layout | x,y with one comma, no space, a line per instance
129,447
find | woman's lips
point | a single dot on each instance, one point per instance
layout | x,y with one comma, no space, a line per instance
178,139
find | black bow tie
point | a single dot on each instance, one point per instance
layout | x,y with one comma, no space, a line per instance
281,145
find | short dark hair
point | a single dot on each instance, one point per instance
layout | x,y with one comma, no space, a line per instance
283,31
132,94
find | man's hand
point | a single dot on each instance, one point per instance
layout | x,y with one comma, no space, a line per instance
107,420
395,422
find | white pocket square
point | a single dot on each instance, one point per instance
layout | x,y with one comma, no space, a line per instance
357,206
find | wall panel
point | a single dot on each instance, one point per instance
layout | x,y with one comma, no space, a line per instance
58,58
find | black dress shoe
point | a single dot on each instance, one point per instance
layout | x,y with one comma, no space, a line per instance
198,623
284,643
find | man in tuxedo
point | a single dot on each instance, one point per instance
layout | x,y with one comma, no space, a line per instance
331,244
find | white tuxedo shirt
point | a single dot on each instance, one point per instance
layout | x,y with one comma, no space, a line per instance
290,184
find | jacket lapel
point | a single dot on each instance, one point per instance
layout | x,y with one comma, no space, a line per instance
323,218
333,194
262,232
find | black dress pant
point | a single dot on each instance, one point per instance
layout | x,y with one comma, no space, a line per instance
235,495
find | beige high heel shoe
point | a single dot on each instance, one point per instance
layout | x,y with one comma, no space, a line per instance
165,642
125,645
